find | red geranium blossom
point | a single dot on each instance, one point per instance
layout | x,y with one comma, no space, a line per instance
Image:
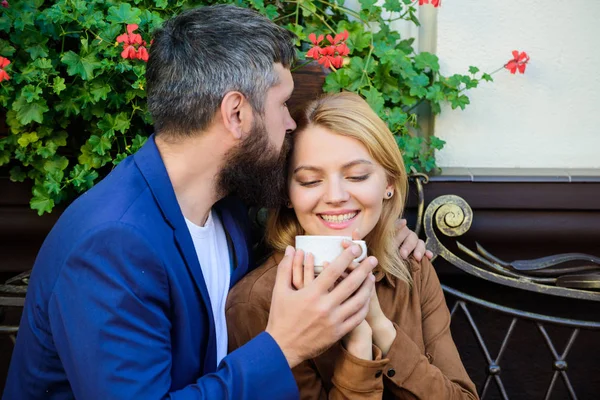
3,74
133,45
435,3
332,55
5,4
518,62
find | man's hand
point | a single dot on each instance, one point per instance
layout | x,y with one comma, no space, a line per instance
305,322
409,242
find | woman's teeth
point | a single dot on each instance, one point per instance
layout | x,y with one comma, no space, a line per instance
338,218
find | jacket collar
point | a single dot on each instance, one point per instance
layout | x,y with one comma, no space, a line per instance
153,170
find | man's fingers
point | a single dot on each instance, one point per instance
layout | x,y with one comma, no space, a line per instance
284,270
298,269
400,224
353,281
409,244
419,250
355,309
334,270
309,269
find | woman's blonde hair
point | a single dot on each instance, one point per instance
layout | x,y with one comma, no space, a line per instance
347,114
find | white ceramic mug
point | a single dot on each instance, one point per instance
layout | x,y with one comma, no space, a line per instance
327,248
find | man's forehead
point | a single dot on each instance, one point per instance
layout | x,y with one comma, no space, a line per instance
285,81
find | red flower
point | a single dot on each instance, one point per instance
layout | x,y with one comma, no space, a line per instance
435,3
142,53
518,62
129,52
130,37
313,38
133,44
5,4
3,74
331,55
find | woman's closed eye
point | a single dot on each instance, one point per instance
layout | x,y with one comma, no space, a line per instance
359,178
308,183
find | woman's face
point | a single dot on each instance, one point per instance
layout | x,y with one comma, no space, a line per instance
335,186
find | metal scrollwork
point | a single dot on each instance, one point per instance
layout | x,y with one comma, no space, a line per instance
453,217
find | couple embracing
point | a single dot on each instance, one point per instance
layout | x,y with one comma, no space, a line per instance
146,286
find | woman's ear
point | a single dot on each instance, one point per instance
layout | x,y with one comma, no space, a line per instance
389,192
236,114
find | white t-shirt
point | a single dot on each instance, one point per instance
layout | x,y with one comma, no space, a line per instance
213,254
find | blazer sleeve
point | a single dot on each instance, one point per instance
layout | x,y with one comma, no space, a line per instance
110,313
439,374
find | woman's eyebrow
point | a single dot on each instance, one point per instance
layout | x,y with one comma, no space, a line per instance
345,166
307,167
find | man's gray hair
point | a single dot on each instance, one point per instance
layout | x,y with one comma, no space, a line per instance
202,54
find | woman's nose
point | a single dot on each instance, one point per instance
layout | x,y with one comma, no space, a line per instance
336,193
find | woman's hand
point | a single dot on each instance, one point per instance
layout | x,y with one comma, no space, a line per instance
383,330
359,342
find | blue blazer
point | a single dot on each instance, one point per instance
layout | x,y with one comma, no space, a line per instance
117,307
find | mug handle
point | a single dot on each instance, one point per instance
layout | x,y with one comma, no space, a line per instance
363,247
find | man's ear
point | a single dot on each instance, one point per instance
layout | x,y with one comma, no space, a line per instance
236,114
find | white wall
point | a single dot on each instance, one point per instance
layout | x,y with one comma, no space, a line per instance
547,118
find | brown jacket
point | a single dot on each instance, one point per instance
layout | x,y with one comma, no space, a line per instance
422,363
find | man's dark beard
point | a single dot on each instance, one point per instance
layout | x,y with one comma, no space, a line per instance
254,171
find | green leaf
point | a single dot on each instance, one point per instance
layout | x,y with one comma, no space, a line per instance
43,63
473,70
28,112
460,101
137,143
4,157
17,174
82,66
427,60
271,12
25,19
374,98
368,5
100,144
99,90
56,164
418,84
83,178
6,50
336,81
26,138
53,183
58,84
436,143
161,3
31,93
41,200
38,50
392,5
5,23
487,78
125,14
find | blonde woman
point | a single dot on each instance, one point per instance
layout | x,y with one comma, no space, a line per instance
346,177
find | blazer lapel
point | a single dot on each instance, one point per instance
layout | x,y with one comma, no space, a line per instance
153,169
240,260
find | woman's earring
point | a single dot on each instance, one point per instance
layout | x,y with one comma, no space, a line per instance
389,195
